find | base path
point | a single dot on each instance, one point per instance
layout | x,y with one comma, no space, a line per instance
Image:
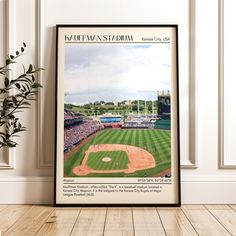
139,158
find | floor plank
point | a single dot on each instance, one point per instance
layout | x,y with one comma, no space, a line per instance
119,221
203,222
233,206
225,215
193,207
31,222
90,222
176,223
48,221
60,222
10,214
147,222
2,207
218,207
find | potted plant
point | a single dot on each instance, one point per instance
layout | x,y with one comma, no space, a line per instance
16,95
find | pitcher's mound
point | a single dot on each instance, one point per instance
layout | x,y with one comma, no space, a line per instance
106,159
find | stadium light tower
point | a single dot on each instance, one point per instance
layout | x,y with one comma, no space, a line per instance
153,99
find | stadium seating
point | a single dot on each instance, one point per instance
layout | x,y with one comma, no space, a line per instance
78,128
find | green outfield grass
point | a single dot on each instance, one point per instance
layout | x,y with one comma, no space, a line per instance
157,142
119,160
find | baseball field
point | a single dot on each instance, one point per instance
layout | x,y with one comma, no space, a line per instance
121,153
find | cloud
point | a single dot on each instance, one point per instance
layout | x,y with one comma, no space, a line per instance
114,72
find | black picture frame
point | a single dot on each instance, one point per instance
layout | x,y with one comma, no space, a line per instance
77,46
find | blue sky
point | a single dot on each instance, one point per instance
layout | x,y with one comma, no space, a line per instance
115,72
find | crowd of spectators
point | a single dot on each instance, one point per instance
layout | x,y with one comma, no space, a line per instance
71,118
75,134
68,114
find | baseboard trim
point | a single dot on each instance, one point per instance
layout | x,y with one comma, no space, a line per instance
26,190
195,190
26,179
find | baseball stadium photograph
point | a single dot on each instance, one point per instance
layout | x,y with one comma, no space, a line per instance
117,110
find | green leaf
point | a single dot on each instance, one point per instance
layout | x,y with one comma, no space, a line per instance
17,53
8,61
27,93
25,103
14,100
21,107
17,130
23,88
22,76
36,85
5,103
24,44
22,49
2,91
11,116
6,82
17,85
29,69
33,78
11,144
11,56
37,70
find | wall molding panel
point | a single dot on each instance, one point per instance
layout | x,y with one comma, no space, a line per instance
224,163
7,159
42,161
192,162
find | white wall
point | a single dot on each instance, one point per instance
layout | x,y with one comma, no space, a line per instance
26,174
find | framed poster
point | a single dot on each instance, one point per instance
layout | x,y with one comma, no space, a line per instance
117,128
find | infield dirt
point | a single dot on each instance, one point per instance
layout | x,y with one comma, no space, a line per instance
139,158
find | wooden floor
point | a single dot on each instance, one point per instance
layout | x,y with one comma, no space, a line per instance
188,220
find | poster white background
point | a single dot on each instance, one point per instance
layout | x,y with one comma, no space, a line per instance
169,190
